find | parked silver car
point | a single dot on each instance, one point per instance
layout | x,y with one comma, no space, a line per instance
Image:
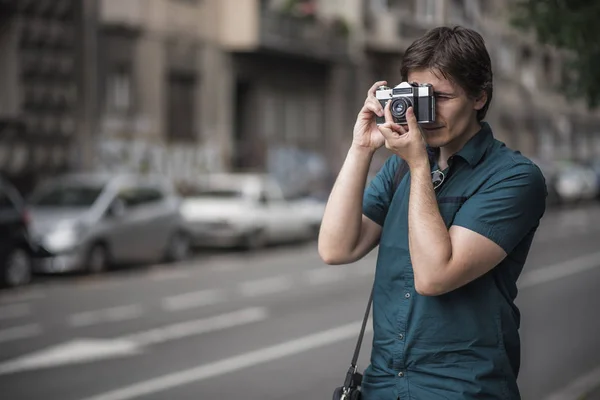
250,210
90,221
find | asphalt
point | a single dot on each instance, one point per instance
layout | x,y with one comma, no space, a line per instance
272,325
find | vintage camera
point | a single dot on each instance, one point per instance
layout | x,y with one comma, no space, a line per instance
342,393
352,383
419,96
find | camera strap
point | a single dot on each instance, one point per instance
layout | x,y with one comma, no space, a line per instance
352,377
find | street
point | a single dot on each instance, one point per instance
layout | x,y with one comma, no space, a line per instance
278,324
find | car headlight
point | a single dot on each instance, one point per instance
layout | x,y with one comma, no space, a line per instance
63,238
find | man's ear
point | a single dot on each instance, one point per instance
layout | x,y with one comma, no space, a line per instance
480,101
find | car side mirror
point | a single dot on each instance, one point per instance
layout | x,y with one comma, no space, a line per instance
262,200
116,209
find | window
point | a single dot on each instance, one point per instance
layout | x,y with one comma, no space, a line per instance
66,196
457,12
5,202
528,73
427,10
119,96
507,59
134,197
181,106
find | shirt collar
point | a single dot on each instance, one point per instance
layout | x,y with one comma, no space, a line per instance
472,152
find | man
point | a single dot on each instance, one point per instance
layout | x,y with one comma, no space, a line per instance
445,323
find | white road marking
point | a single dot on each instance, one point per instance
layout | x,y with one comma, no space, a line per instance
560,270
114,314
85,350
325,275
186,301
228,365
578,388
75,351
266,286
15,311
197,327
20,332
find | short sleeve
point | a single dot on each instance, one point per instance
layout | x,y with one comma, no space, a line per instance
508,207
379,192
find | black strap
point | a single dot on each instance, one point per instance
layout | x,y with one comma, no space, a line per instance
401,172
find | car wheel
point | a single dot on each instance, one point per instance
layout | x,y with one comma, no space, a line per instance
98,259
255,240
17,269
179,247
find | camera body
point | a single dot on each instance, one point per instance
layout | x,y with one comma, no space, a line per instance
343,393
350,390
404,95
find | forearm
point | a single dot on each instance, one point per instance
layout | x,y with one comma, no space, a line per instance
341,223
429,241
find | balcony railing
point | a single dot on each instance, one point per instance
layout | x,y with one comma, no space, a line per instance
127,14
409,29
308,37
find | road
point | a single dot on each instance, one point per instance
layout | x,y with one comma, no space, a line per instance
272,325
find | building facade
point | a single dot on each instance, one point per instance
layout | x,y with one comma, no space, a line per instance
197,86
43,107
184,87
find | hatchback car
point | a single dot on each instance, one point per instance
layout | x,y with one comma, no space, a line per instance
91,221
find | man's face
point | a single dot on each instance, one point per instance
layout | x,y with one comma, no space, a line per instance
455,111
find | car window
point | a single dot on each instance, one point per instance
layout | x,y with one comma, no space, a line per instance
66,196
6,203
220,193
137,196
149,195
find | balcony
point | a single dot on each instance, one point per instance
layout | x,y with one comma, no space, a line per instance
260,29
393,32
128,15
382,35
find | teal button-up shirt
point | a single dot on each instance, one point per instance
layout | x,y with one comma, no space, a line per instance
463,344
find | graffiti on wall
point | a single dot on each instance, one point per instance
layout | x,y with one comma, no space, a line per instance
180,162
298,171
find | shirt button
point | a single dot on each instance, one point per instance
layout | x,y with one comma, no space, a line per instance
407,295
401,374
401,336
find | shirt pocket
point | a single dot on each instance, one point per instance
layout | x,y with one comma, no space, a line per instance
449,206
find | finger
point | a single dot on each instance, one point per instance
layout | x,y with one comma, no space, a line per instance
390,131
388,113
374,106
412,120
387,132
373,88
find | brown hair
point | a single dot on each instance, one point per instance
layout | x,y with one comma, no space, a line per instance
459,54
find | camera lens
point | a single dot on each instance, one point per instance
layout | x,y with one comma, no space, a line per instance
399,107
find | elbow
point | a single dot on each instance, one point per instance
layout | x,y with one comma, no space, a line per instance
330,257
429,287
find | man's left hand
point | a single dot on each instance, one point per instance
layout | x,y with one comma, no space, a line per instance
405,141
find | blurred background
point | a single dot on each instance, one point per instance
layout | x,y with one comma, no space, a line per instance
164,166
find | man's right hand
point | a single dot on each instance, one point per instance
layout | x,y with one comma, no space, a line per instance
366,134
